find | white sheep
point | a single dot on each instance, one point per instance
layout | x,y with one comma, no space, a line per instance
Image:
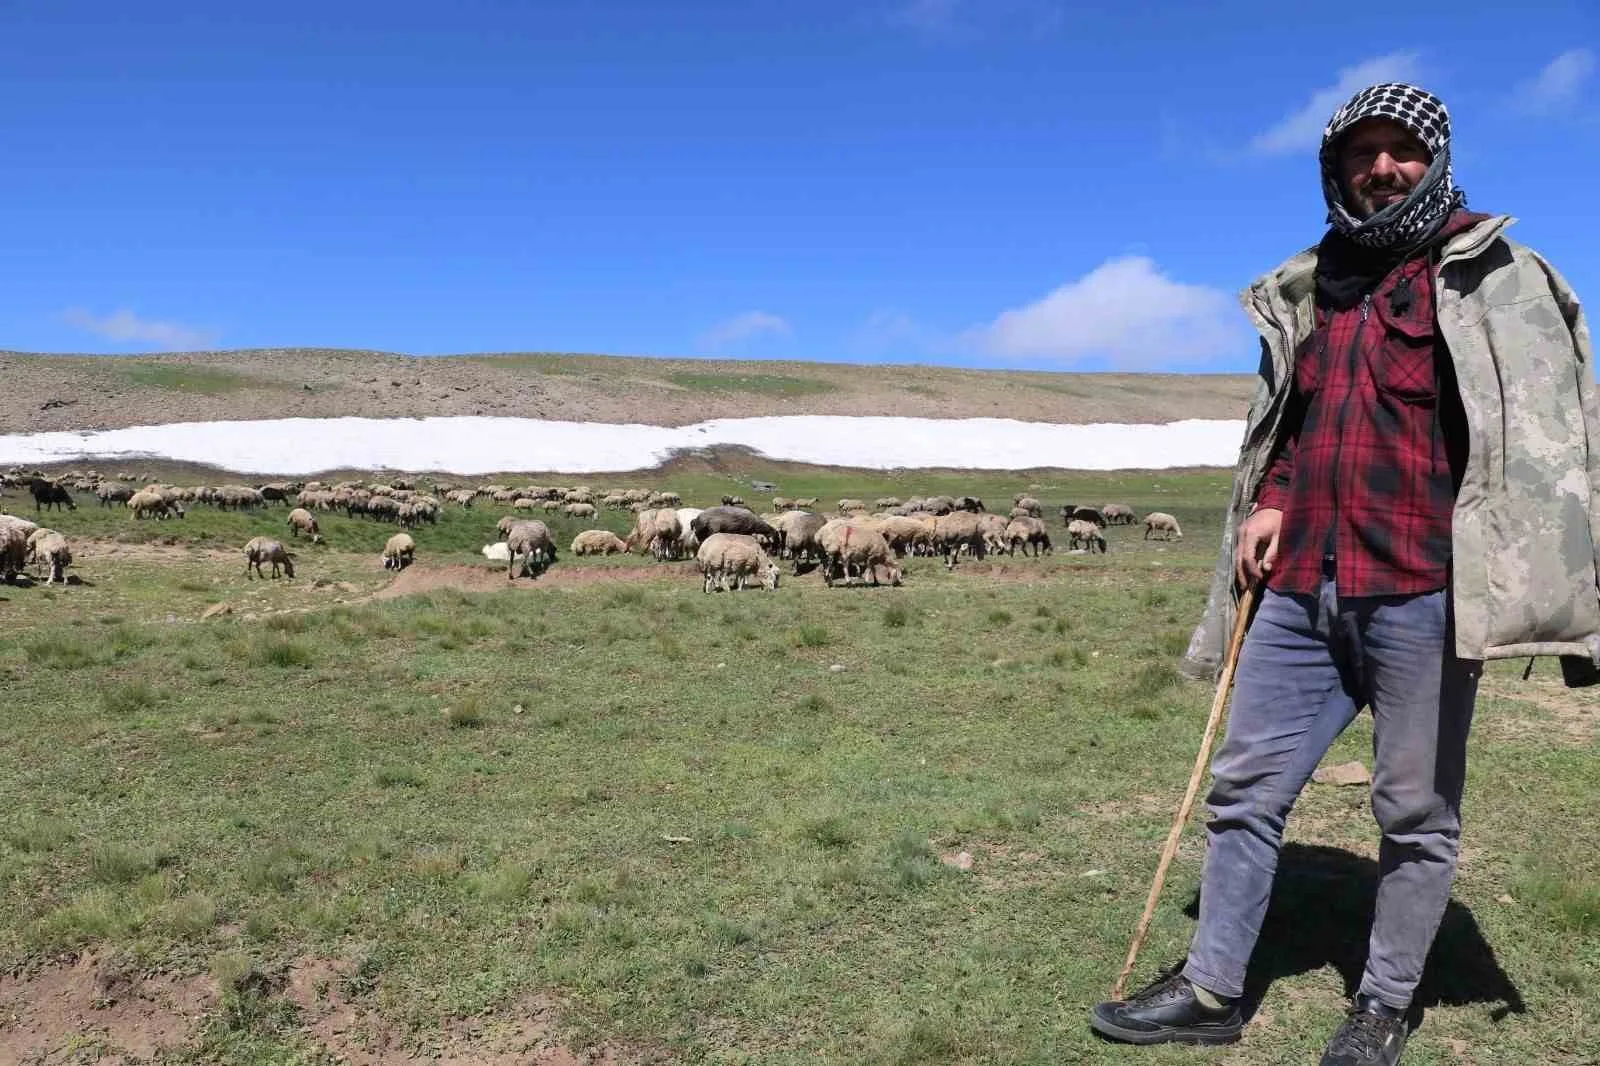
303,521
497,552
399,552
51,548
1161,522
531,540
598,542
725,557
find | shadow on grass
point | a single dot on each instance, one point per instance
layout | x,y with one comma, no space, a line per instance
1321,915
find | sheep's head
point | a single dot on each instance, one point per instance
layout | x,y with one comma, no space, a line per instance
288,564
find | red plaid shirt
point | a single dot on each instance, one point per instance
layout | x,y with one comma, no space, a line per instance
1373,446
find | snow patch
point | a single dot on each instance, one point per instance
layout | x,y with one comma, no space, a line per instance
479,445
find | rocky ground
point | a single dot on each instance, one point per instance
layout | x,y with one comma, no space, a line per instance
71,392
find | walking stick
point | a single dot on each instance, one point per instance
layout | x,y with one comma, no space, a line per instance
1223,684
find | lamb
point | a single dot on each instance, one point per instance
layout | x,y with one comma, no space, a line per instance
734,556
598,542
497,552
51,547
258,550
302,521
579,510
1119,514
1161,522
531,540
1082,532
399,552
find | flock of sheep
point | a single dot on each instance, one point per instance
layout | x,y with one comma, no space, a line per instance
731,544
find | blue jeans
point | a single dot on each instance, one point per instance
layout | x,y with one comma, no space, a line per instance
1309,664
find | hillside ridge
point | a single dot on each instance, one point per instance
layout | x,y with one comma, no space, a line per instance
45,392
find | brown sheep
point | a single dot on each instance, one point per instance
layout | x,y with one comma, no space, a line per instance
260,550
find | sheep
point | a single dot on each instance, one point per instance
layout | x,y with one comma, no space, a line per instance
781,503
110,492
598,542
883,503
1026,533
732,520
733,501
956,530
13,549
686,517
734,556
851,549
260,550
503,527
146,503
848,505
399,552
1161,522
525,503
579,510
497,552
302,521
1029,506
531,540
992,528
51,548
907,535
47,493
1119,514
804,503
463,497
1084,533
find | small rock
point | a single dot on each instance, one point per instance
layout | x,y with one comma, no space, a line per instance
1347,773
517,708
1094,873
1504,897
837,668
216,610
961,860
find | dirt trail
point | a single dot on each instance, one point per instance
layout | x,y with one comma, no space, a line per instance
421,577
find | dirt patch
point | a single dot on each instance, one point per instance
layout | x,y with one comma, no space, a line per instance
519,1036
95,1009
1568,714
421,577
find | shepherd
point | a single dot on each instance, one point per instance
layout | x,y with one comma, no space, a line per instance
1419,491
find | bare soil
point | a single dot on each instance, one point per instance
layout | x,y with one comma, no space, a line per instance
94,1009
78,392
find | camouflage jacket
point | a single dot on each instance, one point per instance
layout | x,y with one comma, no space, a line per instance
1526,526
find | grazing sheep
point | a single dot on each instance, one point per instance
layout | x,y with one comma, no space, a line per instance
47,493
725,557
686,516
804,503
797,536
531,540
109,492
302,521
957,530
853,550
1161,522
399,552
260,550
848,505
883,503
148,503
497,552
1119,514
579,510
1083,533
13,549
732,520
598,542
781,503
1026,533
1089,514
50,547
733,501
1029,507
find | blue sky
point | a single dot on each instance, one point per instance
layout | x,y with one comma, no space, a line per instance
1011,183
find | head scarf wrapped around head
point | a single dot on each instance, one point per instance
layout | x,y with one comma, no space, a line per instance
1409,222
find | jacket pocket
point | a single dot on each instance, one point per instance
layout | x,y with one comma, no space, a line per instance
1404,364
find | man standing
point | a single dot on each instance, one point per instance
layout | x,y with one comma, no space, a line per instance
1419,490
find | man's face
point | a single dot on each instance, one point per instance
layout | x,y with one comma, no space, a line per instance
1380,162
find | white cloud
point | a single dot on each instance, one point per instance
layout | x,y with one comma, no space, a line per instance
1126,310
1302,130
888,331
1555,86
743,327
124,327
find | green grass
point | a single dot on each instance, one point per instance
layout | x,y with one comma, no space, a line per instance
664,809
200,380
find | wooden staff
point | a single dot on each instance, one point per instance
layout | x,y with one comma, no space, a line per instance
1246,602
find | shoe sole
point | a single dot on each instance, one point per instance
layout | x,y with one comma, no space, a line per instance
1176,1035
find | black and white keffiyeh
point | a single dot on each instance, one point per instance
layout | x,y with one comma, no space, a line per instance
1413,220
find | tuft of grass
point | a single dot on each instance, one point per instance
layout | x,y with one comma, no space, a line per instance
811,703
277,869
402,776
129,697
39,835
1571,897
812,635
466,713
190,915
729,933
1000,617
283,653
198,380
62,651
911,861
287,623
831,832
118,864
895,616
625,596
506,883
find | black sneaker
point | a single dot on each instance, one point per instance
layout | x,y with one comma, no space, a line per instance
1373,1035
1166,1013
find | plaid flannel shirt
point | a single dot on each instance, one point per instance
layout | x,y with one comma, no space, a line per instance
1374,445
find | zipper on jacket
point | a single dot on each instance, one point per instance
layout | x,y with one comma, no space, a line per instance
1330,544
